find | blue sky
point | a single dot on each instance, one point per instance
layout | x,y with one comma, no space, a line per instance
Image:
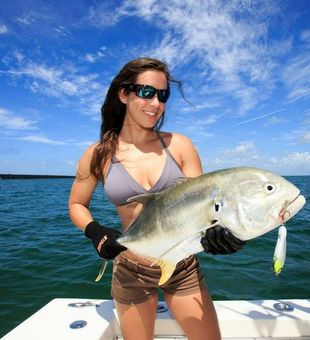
245,67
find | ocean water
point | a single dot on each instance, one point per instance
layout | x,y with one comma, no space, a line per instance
43,256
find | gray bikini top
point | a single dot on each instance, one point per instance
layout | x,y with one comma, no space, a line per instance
119,185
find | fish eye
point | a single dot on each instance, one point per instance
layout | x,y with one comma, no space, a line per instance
269,188
218,205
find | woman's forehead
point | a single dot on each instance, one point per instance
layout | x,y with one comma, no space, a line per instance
150,76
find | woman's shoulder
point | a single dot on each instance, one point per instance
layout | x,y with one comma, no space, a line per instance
184,152
88,153
83,164
175,139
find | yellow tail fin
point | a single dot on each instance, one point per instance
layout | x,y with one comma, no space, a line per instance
167,268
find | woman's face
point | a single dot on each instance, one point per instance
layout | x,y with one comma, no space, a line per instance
145,112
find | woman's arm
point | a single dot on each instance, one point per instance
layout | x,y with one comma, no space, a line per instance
186,155
81,191
103,238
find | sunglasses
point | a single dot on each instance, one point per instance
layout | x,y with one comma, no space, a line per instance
148,92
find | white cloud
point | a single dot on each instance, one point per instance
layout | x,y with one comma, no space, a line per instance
275,120
105,14
9,120
305,137
244,154
296,76
257,117
211,103
56,81
45,140
244,150
297,136
90,58
41,140
62,82
210,119
85,143
26,19
18,56
228,40
62,31
3,29
297,159
305,36
93,57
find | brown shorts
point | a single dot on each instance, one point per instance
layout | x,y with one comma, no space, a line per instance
134,283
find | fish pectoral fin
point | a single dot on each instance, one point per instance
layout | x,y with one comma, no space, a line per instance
142,198
167,269
179,180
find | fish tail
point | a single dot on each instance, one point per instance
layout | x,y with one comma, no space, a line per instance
102,270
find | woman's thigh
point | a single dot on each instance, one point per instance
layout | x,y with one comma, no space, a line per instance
137,321
196,315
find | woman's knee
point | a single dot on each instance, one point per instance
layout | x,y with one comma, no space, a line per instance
195,314
138,321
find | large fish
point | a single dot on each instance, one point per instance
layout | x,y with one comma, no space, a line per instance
247,201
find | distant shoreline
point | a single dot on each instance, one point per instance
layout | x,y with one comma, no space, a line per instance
24,176
18,176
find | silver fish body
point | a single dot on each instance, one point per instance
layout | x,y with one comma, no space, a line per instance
247,201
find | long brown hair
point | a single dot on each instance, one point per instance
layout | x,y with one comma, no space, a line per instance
113,110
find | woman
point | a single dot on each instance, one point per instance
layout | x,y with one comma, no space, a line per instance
131,158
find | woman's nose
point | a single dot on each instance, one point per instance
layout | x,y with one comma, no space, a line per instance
155,100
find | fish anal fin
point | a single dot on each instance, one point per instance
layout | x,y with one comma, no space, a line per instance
167,269
102,270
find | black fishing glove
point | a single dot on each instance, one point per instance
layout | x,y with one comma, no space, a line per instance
219,240
104,240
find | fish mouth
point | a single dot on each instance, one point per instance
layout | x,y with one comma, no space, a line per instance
292,208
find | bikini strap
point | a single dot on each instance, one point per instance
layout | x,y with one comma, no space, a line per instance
166,148
161,140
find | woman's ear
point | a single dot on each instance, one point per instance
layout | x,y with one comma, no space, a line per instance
122,96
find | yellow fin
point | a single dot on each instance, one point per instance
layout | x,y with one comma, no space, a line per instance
102,270
167,268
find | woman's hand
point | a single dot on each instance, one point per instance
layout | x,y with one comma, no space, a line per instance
219,240
104,240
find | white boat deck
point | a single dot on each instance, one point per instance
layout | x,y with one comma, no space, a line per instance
239,320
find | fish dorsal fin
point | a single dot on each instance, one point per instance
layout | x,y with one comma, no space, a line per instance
167,269
142,198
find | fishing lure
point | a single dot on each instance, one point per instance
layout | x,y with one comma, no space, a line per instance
280,251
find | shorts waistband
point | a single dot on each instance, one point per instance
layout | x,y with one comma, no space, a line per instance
149,264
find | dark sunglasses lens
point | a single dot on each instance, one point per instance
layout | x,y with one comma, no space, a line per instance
163,95
146,92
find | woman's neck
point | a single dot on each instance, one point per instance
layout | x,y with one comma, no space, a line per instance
136,136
